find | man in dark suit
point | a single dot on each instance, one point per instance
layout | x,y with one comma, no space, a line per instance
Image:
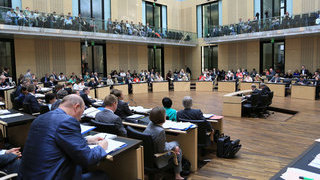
84,94
123,110
55,147
10,160
45,79
31,100
191,114
304,72
303,81
275,79
264,89
107,115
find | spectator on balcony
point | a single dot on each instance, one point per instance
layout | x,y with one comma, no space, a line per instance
27,12
68,21
257,16
32,19
109,26
11,17
17,10
123,27
275,23
117,27
318,19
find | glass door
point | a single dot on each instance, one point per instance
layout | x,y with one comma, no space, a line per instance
5,3
210,17
272,56
155,59
273,8
7,59
93,59
154,15
92,9
209,57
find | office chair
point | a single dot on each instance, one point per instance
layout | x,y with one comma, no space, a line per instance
44,109
149,154
250,107
104,127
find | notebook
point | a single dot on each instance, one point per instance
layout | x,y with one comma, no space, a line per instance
207,116
85,128
113,146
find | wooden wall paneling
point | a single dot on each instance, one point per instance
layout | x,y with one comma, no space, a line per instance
42,56
58,56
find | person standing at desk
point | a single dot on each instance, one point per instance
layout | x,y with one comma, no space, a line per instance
123,110
55,147
158,135
107,115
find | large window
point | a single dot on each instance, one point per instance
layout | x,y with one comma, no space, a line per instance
272,8
210,17
155,59
154,15
7,56
5,3
93,58
92,9
209,57
272,56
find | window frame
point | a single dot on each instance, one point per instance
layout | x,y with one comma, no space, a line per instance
202,18
153,5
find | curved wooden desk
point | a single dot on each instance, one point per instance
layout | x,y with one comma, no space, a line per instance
227,86
204,86
307,92
102,92
232,103
160,86
181,85
122,87
138,88
247,85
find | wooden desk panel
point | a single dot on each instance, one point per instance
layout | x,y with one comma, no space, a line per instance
232,103
206,86
7,99
226,86
181,85
92,93
278,89
189,145
138,88
303,92
160,86
102,92
123,88
247,85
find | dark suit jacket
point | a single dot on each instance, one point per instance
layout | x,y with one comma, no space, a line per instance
306,71
266,90
45,79
32,101
86,100
192,114
123,110
55,148
108,117
9,163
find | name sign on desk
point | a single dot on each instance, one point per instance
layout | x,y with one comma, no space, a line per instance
10,115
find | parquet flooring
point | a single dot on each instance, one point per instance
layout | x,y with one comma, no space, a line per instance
267,144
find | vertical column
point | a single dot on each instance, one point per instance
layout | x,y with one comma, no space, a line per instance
199,21
144,21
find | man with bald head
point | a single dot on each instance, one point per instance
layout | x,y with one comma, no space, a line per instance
55,148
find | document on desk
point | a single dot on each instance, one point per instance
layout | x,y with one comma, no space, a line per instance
315,162
91,112
2,104
104,135
4,112
113,146
85,128
44,89
10,115
183,126
139,109
295,173
207,116
39,95
135,116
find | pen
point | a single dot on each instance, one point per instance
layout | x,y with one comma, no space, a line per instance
301,177
105,137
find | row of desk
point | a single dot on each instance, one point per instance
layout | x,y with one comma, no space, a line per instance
307,92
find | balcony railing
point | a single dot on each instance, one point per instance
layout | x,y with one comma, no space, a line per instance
82,24
267,24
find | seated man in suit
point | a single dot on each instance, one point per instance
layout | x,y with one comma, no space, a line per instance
123,110
191,114
50,99
84,94
264,89
275,79
55,147
10,160
31,99
68,87
302,81
304,72
19,100
107,115
254,91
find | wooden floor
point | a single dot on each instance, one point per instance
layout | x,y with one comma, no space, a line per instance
267,144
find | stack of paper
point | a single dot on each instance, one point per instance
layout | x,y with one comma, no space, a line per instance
113,146
7,87
91,112
4,112
2,104
39,95
136,116
183,126
104,135
85,128
207,116
44,89
139,109
295,173
10,115
315,162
